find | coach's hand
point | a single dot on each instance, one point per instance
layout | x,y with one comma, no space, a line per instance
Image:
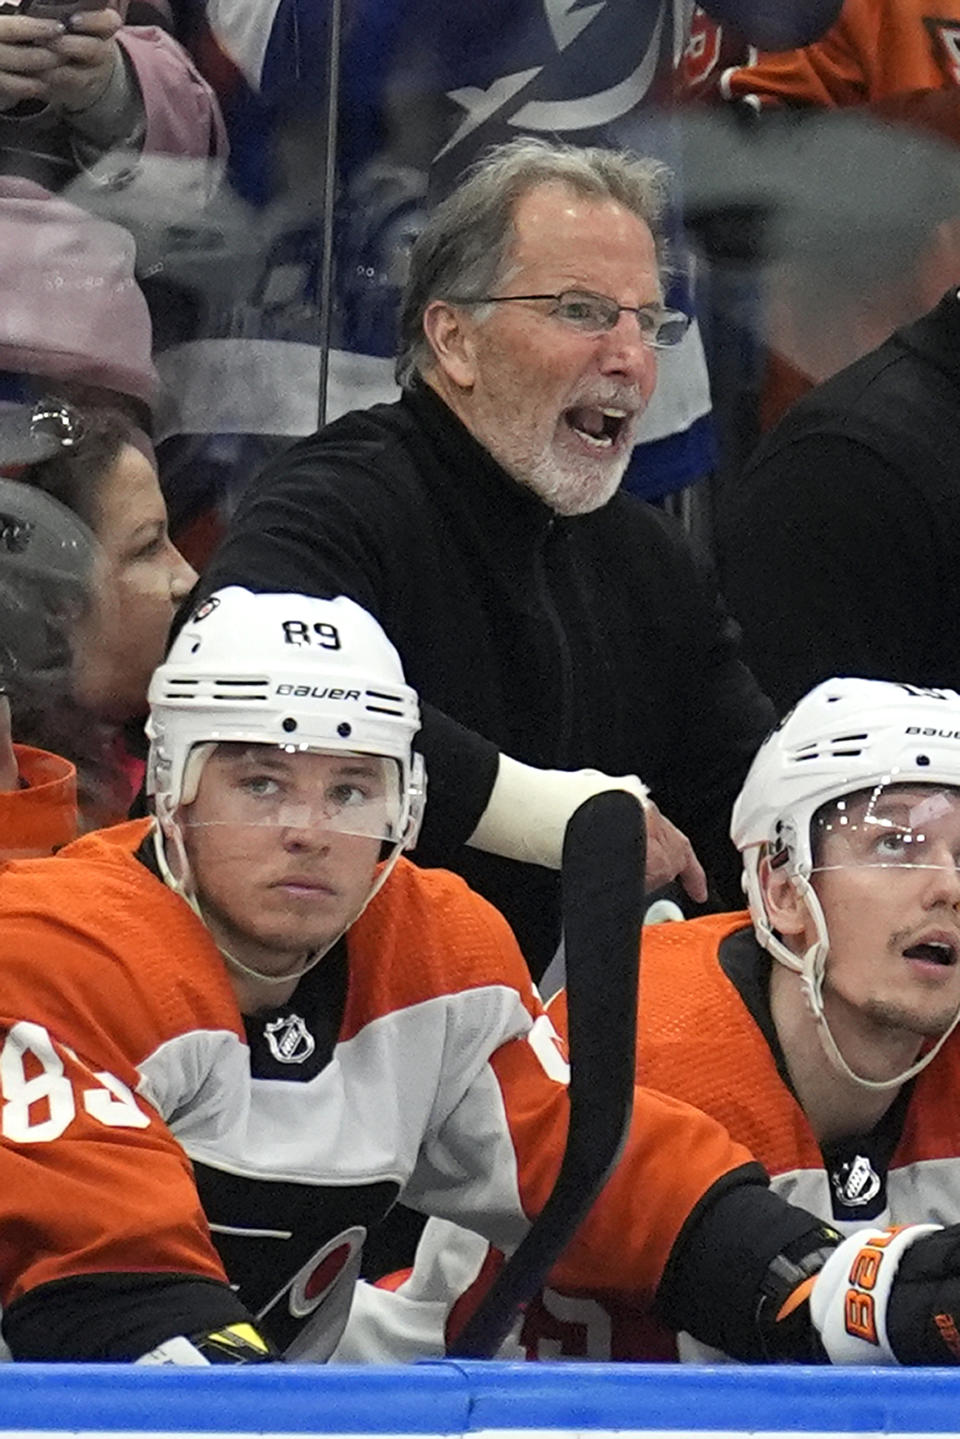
528,809
670,855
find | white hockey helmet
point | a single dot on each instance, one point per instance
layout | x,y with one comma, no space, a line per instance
283,669
845,736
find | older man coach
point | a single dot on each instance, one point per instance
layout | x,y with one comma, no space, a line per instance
559,633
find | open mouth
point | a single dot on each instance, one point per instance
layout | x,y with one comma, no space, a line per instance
599,426
933,951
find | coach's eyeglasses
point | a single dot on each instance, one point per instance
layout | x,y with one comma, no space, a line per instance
594,314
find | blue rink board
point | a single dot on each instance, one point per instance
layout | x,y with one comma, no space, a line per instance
453,1398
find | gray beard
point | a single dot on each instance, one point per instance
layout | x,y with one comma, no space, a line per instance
569,493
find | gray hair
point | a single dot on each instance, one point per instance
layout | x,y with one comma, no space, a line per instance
463,248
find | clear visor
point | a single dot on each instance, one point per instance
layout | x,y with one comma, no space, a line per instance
285,787
892,826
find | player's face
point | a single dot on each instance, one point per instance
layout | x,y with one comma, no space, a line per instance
275,873
535,391
887,878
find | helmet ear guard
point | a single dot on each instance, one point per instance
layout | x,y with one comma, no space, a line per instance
754,860
193,769
417,792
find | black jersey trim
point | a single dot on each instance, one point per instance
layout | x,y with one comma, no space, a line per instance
717,1277
115,1317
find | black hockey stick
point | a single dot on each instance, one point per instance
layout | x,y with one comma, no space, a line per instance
604,856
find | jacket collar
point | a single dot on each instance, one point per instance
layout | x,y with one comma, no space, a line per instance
936,335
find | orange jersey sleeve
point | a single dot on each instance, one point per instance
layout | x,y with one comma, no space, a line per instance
685,997
91,1179
42,816
876,49
673,1156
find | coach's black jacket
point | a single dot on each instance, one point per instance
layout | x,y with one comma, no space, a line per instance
566,642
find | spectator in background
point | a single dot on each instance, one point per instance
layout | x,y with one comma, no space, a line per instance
836,293
559,633
72,315
840,543
106,476
74,325
77,82
883,53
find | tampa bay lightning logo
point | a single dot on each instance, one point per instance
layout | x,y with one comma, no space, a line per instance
597,62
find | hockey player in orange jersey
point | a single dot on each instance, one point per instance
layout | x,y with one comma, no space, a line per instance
834,1064
232,1036
818,1028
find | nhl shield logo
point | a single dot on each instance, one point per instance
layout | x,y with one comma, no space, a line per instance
856,1183
289,1039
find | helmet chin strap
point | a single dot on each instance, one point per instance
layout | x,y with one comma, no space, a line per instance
166,828
813,969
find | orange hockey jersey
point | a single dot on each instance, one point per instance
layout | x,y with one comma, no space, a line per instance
877,49
41,817
149,1129
697,1040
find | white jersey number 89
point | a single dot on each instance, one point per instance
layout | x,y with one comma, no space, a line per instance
111,1104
